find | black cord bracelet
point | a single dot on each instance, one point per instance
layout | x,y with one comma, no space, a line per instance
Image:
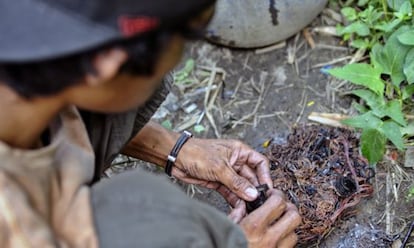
175,150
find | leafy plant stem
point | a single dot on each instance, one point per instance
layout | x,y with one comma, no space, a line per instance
385,9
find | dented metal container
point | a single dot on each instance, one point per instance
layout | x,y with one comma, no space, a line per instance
258,23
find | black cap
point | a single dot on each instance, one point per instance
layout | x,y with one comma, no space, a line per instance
33,30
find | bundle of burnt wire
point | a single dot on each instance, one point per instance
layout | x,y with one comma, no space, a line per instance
323,173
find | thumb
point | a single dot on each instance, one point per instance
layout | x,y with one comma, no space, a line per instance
239,185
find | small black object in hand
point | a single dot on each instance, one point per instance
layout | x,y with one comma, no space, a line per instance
251,206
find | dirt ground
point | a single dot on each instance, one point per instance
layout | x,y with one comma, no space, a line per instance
255,95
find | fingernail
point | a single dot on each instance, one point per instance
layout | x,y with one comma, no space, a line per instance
251,192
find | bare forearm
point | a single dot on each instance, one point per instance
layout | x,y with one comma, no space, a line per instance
153,144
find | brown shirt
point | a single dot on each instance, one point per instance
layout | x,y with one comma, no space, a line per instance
44,197
45,194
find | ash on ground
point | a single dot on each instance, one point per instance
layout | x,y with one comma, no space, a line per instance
365,237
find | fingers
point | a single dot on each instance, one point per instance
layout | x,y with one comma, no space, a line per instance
238,184
289,241
286,224
238,212
253,159
272,224
227,194
249,174
271,210
262,167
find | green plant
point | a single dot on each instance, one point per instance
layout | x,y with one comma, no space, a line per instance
385,29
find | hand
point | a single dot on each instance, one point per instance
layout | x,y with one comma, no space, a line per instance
228,166
272,224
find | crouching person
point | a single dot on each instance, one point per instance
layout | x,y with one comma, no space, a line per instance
79,81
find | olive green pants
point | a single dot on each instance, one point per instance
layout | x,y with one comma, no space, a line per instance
139,209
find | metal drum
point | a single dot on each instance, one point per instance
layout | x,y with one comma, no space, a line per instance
258,23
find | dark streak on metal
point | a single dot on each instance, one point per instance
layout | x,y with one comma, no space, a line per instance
273,12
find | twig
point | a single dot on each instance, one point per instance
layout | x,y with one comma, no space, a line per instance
327,30
332,62
255,87
291,56
308,37
233,96
283,120
207,103
394,187
188,122
358,56
284,87
270,48
329,119
330,47
245,64
304,99
348,162
263,77
387,206
407,236
271,115
315,91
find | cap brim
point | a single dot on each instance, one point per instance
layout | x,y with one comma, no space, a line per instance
51,32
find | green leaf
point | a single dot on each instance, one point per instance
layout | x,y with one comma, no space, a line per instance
395,4
358,27
360,43
409,66
410,194
362,2
407,92
392,131
181,76
370,15
359,107
199,128
380,108
408,130
349,13
395,53
372,100
361,74
364,121
394,111
407,38
406,9
378,58
167,124
387,26
373,145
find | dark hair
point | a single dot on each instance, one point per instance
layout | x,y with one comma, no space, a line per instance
52,76
49,77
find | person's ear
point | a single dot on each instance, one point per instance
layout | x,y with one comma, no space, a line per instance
106,65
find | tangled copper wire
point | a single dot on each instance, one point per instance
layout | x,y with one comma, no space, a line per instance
323,174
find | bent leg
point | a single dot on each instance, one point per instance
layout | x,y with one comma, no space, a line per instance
138,209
